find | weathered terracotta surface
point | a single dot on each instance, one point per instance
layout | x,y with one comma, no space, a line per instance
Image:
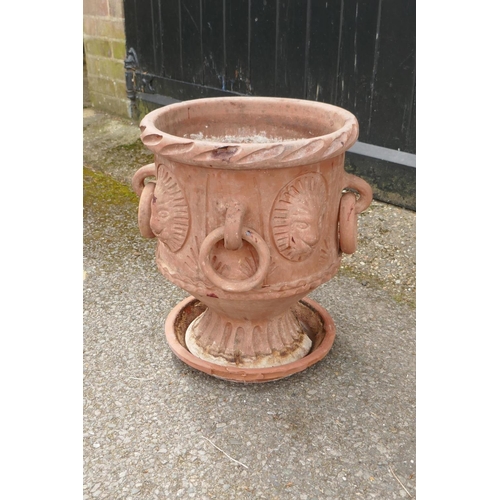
252,210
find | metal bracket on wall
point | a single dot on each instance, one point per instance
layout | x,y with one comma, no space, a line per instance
147,84
132,85
131,65
136,81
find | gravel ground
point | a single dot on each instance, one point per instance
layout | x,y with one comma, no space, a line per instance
156,429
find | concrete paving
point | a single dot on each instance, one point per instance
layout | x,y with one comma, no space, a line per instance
154,428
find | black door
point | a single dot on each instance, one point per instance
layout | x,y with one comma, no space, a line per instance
359,55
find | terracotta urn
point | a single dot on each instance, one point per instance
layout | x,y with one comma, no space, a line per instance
252,209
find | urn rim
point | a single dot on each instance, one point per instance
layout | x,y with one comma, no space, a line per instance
309,132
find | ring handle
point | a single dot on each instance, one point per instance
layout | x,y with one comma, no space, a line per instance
363,188
144,212
350,207
232,285
140,177
348,224
233,226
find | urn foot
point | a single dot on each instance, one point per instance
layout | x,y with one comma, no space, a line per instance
247,344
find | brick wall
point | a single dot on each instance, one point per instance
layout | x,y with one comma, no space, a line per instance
104,44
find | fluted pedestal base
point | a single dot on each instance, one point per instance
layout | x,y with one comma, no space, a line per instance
247,344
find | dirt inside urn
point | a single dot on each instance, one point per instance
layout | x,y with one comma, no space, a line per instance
308,317
260,138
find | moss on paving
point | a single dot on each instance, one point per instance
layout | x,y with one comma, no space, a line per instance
110,210
99,188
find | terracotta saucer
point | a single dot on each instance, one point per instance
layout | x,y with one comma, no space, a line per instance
315,320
